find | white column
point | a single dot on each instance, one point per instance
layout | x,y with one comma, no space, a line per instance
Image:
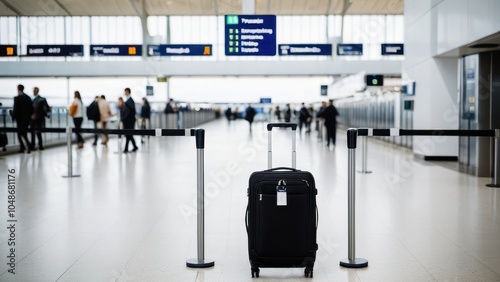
248,7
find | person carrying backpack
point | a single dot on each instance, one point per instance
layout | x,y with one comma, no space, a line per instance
94,115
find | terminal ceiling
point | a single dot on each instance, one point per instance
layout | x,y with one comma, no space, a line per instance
196,7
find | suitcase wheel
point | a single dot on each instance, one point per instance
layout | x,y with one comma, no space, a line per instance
308,272
255,272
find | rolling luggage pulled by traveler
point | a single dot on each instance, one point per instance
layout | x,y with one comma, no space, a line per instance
281,217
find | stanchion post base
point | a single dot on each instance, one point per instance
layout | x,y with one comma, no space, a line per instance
356,263
200,263
368,171
70,176
493,185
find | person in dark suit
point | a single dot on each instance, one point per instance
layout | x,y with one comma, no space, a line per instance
41,110
330,114
145,116
250,115
128,119
22,111
304,118
170,108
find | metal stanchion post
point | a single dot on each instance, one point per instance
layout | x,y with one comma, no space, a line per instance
201,261
69,131
352,261
364,155
496,169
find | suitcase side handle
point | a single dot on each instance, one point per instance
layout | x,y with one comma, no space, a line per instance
281,125
246,219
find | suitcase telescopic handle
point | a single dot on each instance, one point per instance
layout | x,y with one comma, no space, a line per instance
270,126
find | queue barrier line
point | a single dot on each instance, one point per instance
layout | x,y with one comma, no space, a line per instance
199,134
352,134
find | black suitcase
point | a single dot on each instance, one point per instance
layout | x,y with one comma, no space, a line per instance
281,217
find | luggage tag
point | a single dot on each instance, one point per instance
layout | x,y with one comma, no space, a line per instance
281,193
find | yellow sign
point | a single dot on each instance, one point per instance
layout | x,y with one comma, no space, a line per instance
132,51
10,51
207,50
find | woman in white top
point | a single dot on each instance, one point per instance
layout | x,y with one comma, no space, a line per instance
78,117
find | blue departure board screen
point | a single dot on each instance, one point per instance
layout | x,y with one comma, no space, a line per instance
392,49
115,50
180,50
250,35
349,49
305,49
54,50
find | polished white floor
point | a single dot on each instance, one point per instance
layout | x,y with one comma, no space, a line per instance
132,217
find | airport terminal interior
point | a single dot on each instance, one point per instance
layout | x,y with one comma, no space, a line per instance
216,73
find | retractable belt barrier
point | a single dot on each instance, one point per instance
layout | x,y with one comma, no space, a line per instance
424,132
352,135
200,261
147,132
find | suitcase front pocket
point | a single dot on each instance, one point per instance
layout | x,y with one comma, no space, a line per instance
282,230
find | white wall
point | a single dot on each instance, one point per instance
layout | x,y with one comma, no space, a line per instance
432,28
460,22
196,68
436,105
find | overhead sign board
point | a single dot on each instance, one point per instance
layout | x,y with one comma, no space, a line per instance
350,49
265,100
8,50
324,90
149,90
116,50
392,49
54,50
180,50
305,49
250,35
374,80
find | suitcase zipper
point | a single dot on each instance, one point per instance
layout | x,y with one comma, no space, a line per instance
260,197
307,183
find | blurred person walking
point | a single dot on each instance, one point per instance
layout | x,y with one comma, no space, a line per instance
250,115
41,110
277,112
171,108
145,115
228,114
105,115
288,113
330,114
94,115
76,111
128,118
22,111
304,118
318,118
